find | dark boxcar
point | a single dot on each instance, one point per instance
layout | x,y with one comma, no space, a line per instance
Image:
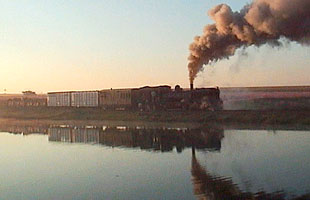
117,99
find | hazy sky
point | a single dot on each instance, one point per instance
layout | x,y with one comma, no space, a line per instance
80,45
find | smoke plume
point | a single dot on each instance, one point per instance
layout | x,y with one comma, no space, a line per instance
258,23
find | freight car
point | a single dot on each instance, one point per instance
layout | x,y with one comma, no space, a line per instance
85,99
117,99
27,102
23,100
149,98
59,99
73,99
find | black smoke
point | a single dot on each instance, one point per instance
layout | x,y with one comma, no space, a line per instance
258,23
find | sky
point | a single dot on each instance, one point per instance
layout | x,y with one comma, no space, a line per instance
60,45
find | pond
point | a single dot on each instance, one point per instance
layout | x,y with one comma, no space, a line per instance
152,162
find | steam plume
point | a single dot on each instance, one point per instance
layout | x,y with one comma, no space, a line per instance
258,23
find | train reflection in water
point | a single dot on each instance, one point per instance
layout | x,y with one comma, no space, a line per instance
206,185
24,129
156,139
209,186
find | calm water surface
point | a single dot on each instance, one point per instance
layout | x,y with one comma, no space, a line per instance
119,162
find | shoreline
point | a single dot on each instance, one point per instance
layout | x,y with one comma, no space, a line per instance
224,117
45,123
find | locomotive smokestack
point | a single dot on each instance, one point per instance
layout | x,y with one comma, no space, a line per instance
192,86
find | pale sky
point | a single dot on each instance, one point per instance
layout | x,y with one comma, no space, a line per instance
61,45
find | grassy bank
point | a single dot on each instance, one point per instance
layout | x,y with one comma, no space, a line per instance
225,116
66,113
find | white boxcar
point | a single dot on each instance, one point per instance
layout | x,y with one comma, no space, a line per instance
85,99
59,99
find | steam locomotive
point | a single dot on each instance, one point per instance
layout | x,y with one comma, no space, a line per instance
165,98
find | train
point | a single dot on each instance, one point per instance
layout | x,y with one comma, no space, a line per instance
145,98
26,99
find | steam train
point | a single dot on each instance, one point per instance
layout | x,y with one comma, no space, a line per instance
143,99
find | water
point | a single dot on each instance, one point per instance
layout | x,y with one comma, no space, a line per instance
152,162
